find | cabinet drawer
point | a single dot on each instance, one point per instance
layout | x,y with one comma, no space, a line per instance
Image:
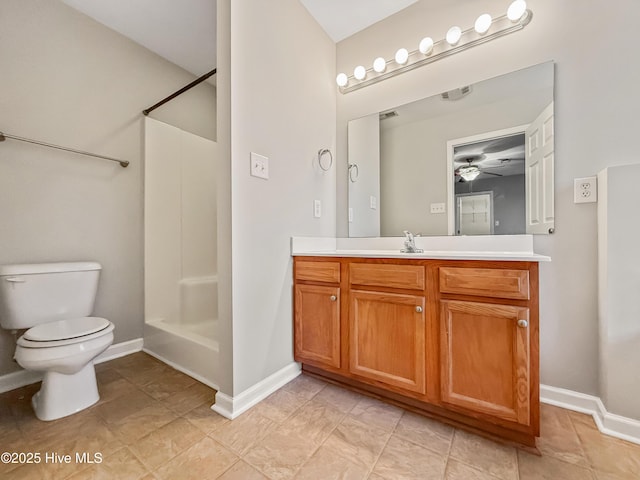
318,271
396,276
485,282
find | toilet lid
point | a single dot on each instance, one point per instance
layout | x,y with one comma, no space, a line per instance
66,329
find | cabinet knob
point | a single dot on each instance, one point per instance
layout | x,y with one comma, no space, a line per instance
333,298
523,323
419,309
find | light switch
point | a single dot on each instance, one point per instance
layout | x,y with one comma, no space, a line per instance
350,214
317,208
373,202
259,166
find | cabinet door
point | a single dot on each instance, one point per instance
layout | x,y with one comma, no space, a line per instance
387,338
317,325
485,359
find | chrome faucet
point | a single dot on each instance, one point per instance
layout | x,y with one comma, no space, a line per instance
410,244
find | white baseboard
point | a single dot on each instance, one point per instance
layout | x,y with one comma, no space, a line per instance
224,406
120,350
231,407
608,423
18,379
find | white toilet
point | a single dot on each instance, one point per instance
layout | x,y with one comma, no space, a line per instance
54,301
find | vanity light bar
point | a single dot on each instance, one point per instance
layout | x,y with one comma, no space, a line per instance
485,29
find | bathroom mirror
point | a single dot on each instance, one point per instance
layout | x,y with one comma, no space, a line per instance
443,165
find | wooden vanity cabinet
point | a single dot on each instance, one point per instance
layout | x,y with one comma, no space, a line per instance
486,345
457,340
317,302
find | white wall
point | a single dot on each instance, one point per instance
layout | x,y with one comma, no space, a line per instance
597,72
70,81
223,188
282,94
619,287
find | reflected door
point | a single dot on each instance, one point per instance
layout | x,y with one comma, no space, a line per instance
539,165
474,214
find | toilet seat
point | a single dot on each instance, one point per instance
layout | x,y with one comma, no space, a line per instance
65,332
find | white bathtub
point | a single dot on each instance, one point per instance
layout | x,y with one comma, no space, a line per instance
188,342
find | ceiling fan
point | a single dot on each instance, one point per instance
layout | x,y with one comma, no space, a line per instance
469,172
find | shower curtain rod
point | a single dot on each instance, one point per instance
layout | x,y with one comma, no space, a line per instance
179,92
3,136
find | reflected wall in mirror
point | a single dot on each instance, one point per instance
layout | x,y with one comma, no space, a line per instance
410,161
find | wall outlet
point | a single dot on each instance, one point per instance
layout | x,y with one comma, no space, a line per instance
259,166
585,190
350,214
438,208
373,202
317,208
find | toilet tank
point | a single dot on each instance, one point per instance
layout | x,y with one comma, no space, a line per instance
31,294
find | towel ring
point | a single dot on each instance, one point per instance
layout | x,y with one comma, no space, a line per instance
353,167
321,153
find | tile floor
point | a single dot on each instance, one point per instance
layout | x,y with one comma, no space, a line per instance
153,422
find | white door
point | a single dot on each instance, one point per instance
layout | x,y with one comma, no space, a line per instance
475,214
539,140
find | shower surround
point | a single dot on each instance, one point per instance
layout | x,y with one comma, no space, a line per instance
181,284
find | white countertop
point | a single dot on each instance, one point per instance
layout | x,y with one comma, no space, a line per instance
504,247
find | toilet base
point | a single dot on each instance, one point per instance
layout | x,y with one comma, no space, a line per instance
62,395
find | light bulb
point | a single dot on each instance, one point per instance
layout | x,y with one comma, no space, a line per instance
379,64
342,80
483,23
402,55
426,45
359,72
453,35
516,10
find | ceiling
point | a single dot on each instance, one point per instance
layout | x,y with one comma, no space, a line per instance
184,31
342,18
